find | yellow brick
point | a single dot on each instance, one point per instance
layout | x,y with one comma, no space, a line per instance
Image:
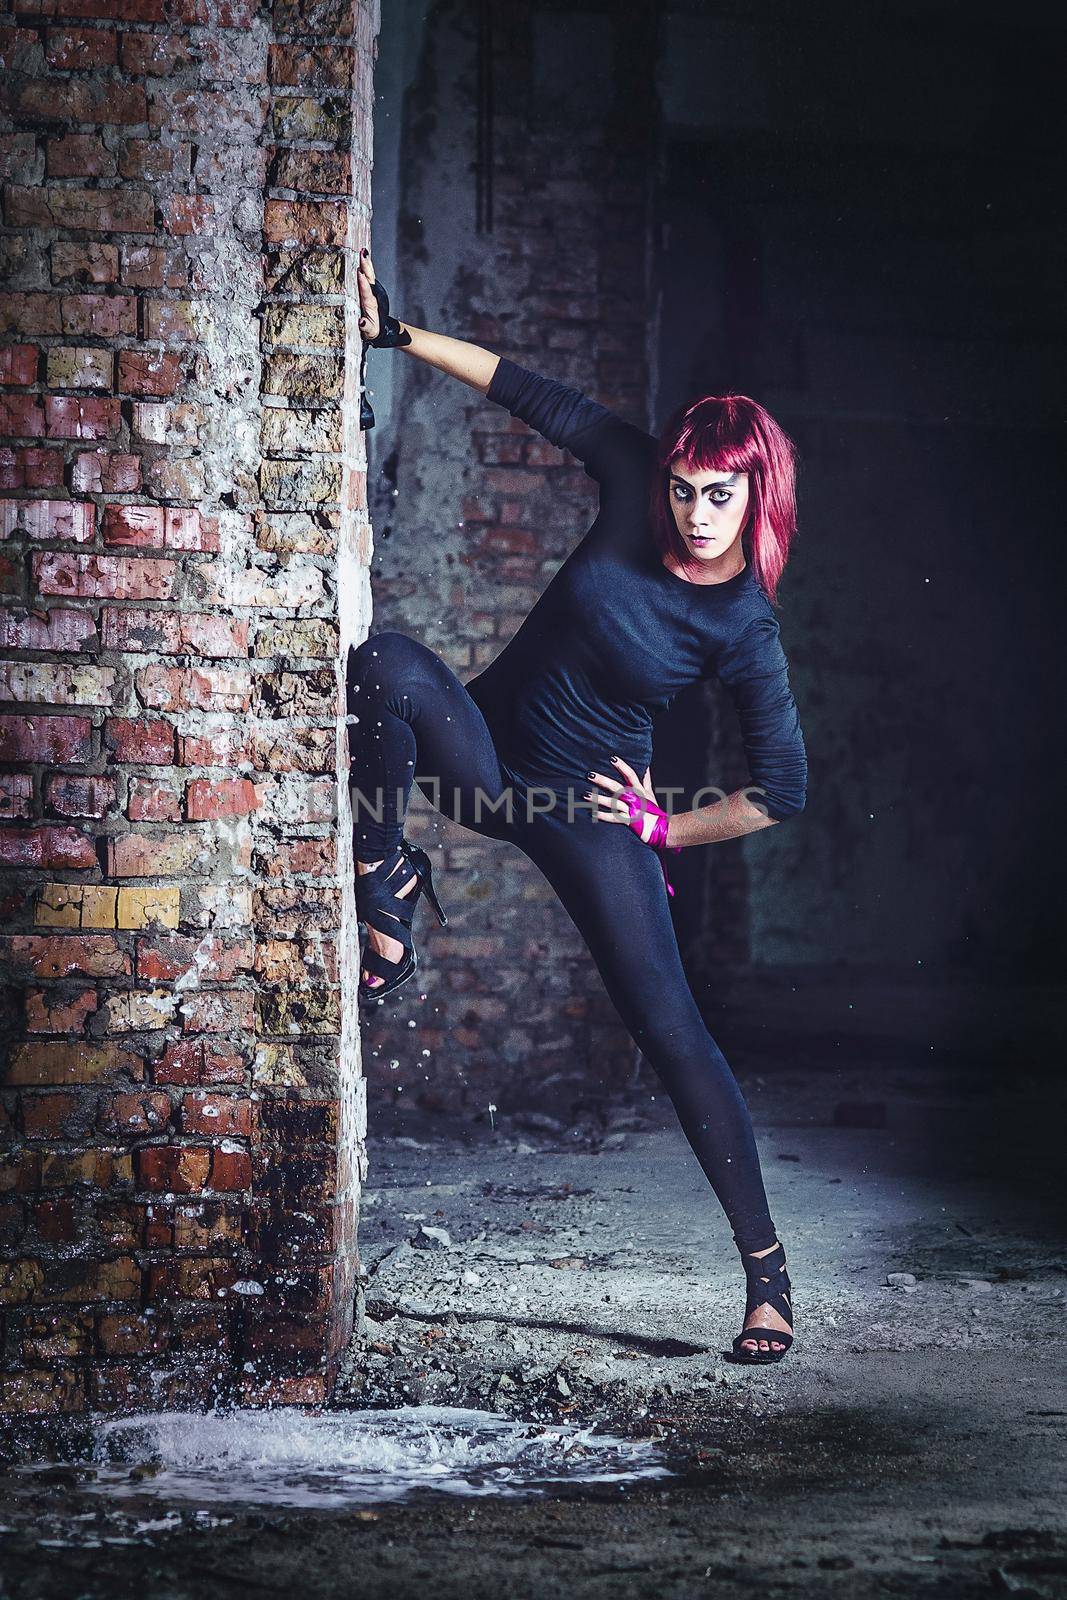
60,1168
98,906
59,905
58,1062
139,908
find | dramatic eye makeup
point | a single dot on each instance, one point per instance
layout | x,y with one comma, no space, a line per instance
681,489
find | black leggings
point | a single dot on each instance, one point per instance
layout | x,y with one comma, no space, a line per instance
407,707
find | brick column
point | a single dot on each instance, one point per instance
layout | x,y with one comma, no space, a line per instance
183,568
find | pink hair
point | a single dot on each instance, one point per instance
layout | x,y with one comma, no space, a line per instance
731,433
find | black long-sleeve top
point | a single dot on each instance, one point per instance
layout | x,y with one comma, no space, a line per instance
615,635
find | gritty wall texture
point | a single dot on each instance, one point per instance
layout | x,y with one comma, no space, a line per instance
184,565
473,512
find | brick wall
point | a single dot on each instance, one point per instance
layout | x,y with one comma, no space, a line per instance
508,1007
183,566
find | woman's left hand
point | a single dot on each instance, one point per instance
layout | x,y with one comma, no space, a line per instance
609,808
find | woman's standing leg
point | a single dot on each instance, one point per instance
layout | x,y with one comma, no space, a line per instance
411,720
612,888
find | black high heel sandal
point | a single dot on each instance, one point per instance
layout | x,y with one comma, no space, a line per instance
378,905
768,1285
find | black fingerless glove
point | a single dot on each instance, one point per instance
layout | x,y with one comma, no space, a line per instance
390,335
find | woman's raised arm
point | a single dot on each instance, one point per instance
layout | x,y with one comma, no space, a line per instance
612,451
470,363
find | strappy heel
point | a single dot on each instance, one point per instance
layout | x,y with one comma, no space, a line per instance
379,905
768,1285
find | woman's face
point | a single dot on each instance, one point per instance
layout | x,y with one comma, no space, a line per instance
709,511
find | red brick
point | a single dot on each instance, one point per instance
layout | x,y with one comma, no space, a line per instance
208,688
50,847
219,1010
80,49
147,527
133,525
133,1333
149,159
154,54
198,1061
146,741
58,629
218,747
49,1012
207,634
67,417
70,795
312,68
56,1221
168,852
20,1172
29,313
143,372
172,1168
223,13
70,955
80,155
125,210
207,798
222,1115
29,468
18,363
16,48
105,315
188,214
48,519
230,1170
21,416
153,801
11,575
146,1111
48,1115
16,800
144,266
164,958
87,263
81,100
110,10
322,222
46,739
104,472
103,577
133,629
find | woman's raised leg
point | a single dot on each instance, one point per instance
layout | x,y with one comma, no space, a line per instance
411,720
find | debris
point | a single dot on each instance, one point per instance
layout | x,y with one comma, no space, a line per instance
901,1280
429,1238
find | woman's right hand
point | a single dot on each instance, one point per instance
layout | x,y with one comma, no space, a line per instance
369,325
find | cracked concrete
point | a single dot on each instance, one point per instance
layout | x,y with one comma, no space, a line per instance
911,1444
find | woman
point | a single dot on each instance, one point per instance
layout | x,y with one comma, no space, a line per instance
546,744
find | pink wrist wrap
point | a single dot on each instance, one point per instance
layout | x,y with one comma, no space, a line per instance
639,808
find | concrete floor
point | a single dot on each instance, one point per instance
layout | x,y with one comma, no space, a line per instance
912,1442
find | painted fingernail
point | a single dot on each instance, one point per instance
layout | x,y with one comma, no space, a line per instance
590,774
